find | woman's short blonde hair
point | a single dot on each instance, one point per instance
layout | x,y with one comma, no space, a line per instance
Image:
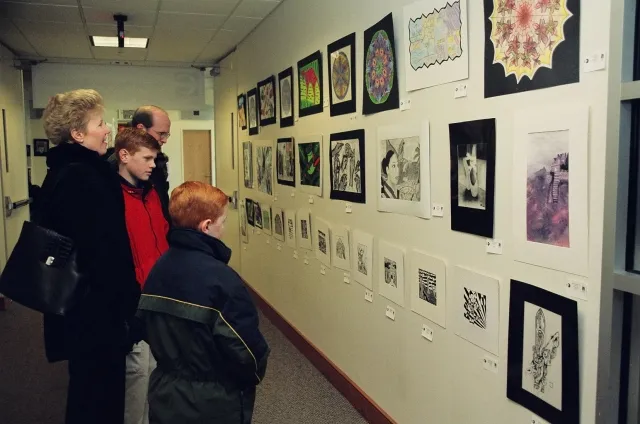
70,111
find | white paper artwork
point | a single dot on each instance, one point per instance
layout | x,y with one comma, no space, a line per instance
290,228
391,272
322,235
263,153
542,354
310,164
435,43
477,309
550,200
304,229
267,219
340,247
362,270
403,170
428,285
278,223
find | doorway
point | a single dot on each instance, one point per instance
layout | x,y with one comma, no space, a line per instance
196,154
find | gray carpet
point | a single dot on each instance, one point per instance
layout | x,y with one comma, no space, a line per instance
34,392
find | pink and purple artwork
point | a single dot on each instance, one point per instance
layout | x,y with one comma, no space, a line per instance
548,188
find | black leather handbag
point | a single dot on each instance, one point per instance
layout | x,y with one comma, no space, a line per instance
41,272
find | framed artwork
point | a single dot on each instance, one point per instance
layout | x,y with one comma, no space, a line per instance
252,100
435,43
257,210
380,78
251,220
285,82
428,283
477,309
267,101
391,272
310,85
551,201
322,234
244,231
264,166
403,170
342,75
242,111
267,219
40,146
341,247
347,165
309,165
278,223
290,228
538,47
473,153
363,258
304,229
247,161
543,369
286,162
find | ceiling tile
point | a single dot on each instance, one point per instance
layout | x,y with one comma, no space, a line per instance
56,39
178,44
241,24
100,15
10,36
214,51
111,53
255,8
227,37
190,20
40,12
129,30
122,6
213,7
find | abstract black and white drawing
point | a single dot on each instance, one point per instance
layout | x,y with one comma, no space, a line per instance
244,231
285,80
264,166
278,223
341,247
304,229
250,212
403,170
286,162
363,258
542,373
472,175
477,309
267,221
252,101
391,272
290,228
323,241
347,164
257,209
247,161
428,286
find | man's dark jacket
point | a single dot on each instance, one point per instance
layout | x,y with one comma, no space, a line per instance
202,327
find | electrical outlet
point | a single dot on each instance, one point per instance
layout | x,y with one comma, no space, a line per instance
368,296
391,313
427,332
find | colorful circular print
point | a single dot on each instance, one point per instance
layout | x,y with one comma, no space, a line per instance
341,75
379,68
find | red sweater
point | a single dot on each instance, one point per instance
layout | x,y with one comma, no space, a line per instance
147,227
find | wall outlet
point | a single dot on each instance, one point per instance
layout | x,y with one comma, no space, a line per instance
391,313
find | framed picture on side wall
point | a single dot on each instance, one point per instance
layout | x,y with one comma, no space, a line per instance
285,84
242,111
267,101
252,101
310,85
347,167
40,147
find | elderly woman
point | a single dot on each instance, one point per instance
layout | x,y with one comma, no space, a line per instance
84,202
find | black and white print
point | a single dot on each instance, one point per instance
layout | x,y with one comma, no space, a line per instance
247,160
475,308
266,219
400,169
277,224
291,228
258,213
391,272
264,169
472,175
341,248
304,229
286,161
253,111
345,163
427,286
363,253
322,242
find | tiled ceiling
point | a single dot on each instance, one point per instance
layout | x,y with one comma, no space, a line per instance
180,32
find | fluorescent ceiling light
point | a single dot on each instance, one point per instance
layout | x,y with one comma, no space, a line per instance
137,43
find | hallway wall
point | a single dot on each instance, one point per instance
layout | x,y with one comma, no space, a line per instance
413,380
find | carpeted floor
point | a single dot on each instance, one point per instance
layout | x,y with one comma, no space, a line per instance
34,392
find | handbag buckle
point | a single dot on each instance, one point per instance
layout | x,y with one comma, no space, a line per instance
50,260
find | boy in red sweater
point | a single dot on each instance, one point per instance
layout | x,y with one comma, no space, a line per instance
136,152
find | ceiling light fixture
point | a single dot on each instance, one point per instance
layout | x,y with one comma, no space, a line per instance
120,40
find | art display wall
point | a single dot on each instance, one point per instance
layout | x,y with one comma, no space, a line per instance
409,206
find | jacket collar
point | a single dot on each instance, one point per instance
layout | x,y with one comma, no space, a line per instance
142,189
195,240
66,153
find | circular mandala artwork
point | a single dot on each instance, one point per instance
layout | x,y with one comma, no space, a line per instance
341,75
379,68
285,96
525,33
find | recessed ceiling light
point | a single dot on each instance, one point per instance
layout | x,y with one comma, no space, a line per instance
136,43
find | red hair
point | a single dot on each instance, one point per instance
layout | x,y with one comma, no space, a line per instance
193,202
134,139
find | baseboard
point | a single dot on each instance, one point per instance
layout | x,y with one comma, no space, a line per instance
354,394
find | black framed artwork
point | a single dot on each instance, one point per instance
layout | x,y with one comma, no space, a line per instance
257,210
310,91
473,152
252,105
542,370
285,85
286,162
518,56
40,146
342,75
267,101
250,211
380,77
347,165
242,111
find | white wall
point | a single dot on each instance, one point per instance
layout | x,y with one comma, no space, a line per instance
413,380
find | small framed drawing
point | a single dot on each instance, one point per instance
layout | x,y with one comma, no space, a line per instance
391,272
252,101
473,162
309,164
542,369
304,229
286,162
403,170
242,111
347,167
363,254
290,227
278,223
40,146
264,166
244,231
267,220
247,162
267,101
251,220
428,282
322,232
551,201
342,75
285,83
341,247
310,85
257,211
